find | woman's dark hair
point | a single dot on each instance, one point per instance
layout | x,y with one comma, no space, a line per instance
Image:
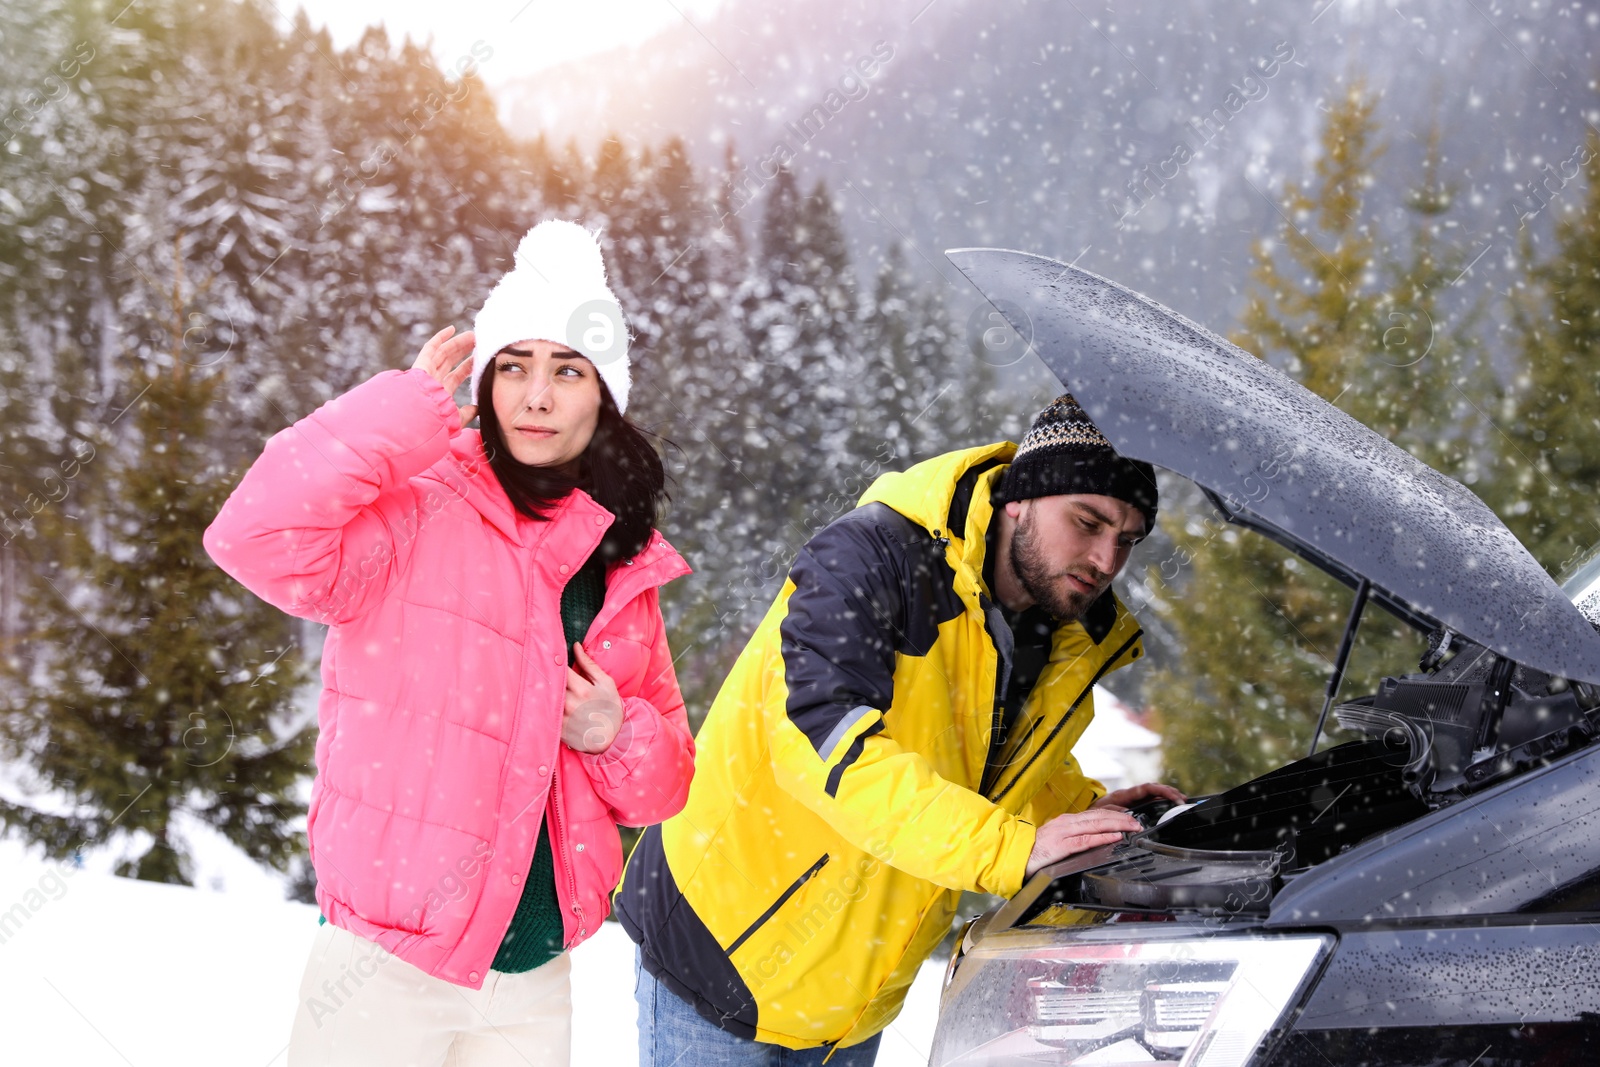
620,469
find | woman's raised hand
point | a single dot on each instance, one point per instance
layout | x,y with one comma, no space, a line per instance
594,708
448,360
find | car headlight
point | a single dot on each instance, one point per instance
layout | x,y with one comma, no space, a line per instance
1109,995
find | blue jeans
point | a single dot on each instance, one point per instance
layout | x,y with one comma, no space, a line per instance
673,1034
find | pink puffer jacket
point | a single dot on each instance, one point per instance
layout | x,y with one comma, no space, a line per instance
444,674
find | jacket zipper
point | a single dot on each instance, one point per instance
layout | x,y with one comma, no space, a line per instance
1056,729
553,810
553,807
783,898
522,689
1017,748
996,741
558,843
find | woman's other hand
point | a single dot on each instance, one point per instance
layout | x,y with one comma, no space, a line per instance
448,360
594,708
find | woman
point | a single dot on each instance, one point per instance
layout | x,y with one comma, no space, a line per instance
497,691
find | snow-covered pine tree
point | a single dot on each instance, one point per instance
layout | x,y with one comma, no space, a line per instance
687,384
886,368
73,96
800,313
911,366
415,217
150,689
620,197
829,339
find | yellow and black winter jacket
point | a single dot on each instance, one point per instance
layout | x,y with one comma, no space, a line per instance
844,790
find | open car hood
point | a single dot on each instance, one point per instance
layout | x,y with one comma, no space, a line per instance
1279,459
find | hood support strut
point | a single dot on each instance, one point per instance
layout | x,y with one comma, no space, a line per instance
1341,660
1363,587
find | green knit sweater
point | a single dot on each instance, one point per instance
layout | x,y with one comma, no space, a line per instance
536,935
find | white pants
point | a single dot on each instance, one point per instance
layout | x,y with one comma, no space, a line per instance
361,1006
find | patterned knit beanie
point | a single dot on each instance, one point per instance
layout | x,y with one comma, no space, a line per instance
1065,453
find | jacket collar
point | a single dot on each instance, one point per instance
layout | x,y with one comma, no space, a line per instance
922,493
658,564
467,474
927,494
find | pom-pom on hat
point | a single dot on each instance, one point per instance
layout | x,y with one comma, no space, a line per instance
1065,453
556,291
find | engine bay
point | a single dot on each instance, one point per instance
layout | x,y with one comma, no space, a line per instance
1473,717
1467,719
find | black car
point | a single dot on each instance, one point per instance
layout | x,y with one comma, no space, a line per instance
1424,894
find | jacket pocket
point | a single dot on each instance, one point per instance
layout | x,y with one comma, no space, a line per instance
783,898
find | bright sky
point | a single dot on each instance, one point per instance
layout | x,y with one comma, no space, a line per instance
525,35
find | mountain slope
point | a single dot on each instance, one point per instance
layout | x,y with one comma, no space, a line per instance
1024,126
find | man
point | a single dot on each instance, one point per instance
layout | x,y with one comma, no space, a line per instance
899,729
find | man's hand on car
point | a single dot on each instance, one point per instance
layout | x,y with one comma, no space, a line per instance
1123,799
1067,835
1105,821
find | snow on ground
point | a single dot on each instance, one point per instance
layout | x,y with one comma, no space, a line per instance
99,971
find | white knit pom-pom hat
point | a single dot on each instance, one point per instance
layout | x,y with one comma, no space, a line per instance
556,291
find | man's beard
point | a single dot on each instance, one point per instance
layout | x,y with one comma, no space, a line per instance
1033,573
